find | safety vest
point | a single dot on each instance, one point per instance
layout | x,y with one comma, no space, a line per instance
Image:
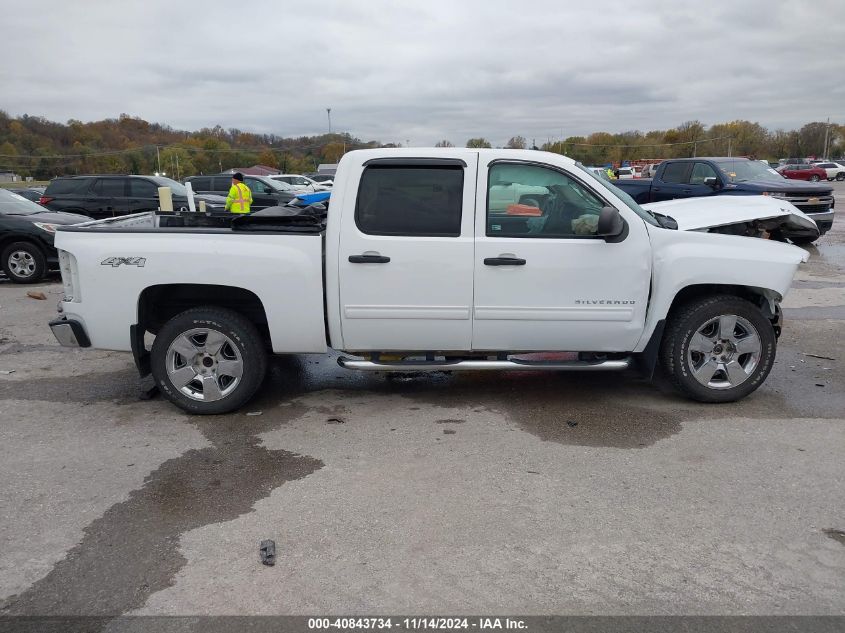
239,198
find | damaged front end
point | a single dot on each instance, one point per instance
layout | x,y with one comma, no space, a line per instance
748,216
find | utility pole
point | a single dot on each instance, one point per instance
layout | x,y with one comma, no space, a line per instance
694,148
177,167
826,136
730,140
158,160
329,114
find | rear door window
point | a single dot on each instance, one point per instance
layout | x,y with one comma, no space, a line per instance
68,186
410,200
222,184
675,173
110,187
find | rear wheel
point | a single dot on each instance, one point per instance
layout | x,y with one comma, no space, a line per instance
208,360
840,176
814,178
803,241
24,262
718,349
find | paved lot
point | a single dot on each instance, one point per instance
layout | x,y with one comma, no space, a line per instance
473,493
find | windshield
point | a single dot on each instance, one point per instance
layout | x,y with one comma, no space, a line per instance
13,204
177,188
624,197
743,170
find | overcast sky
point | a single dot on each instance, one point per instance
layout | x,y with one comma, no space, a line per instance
425,70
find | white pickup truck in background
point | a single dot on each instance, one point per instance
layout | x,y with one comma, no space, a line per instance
434,259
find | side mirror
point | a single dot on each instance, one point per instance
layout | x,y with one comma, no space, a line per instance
711,181
610,223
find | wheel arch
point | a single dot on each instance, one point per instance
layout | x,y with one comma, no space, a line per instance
160,303
766,299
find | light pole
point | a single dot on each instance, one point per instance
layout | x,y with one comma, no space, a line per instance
329,114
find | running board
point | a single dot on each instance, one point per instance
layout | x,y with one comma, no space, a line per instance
476,365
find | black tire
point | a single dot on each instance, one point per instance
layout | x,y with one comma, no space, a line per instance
840,176
803,241
685,321
814,178
243,337
23,253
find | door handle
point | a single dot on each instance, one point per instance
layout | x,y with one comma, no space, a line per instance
686,191
368,259
655,188
504,261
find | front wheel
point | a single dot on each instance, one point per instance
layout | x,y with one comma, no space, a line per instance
718,349
814,178
208,360
840,176
803,241
23,262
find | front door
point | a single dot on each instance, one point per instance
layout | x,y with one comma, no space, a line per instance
544,281
406,255
143,195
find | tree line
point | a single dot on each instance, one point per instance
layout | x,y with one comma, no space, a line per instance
37,147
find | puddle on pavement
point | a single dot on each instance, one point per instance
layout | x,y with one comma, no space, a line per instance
132,550
836,535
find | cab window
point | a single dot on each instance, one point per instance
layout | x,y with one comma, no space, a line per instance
256,186
410,200
139,188
700,172
534,201
110,187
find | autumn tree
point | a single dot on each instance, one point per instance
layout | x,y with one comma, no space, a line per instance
478,142
516,142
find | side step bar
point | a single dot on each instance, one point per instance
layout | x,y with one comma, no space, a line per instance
476,365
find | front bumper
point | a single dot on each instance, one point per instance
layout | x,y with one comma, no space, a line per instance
823,220
69,333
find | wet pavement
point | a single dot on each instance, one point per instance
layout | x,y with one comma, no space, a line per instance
437,493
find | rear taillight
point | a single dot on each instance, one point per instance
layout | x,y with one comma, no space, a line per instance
45,200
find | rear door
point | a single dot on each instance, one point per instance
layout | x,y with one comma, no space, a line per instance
543,280
671,182
106,197
406,255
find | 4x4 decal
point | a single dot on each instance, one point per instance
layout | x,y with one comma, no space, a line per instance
129,261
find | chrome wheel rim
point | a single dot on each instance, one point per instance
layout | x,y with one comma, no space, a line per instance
724,352
22,263
204,364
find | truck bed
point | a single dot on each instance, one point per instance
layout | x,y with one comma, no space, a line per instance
283,266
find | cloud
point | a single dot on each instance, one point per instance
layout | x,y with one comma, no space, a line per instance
424,71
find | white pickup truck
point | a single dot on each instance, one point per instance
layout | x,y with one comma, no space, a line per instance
415,270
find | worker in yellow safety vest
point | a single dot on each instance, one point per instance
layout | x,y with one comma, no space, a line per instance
240,197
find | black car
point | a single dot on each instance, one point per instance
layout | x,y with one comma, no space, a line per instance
109,196
26,237
30,193
265,192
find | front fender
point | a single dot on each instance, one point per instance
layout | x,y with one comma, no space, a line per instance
688,258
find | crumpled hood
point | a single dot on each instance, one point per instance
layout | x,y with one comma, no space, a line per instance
694,214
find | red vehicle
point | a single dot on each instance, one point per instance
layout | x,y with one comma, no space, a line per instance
803,172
